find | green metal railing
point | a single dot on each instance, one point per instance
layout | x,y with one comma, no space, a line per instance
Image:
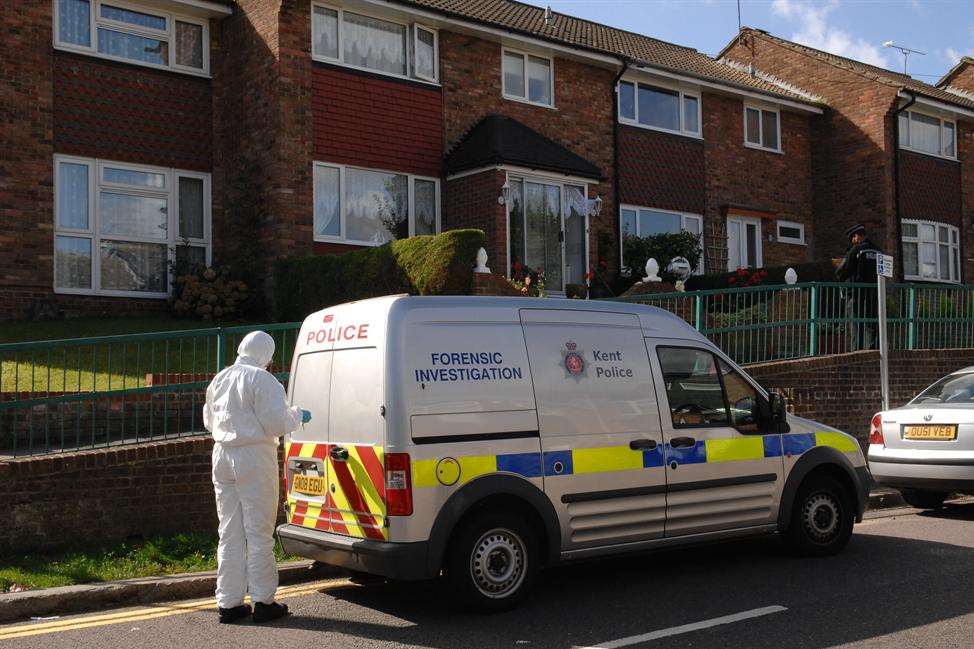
763,323
94,392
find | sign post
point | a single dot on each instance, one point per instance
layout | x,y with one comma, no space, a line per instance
884,269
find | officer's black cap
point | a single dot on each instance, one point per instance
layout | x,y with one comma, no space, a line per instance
858,228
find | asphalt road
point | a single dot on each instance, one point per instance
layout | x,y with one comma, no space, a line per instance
904,581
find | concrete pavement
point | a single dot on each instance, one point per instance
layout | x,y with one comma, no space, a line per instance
905,580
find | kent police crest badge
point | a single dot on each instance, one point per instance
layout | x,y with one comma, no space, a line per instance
574,363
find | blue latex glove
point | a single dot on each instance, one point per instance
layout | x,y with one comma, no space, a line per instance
305,416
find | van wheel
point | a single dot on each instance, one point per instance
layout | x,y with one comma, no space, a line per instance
821,517
922,499
492,562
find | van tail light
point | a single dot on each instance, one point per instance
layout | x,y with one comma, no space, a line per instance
876,430
399,485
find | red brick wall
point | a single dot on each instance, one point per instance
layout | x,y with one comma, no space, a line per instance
779,184
851,160
582,119
661,170
27,159
130,113
471,202
965,153
963,78
843,391
372,121
930,188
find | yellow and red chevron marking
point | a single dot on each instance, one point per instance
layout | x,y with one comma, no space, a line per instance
355,502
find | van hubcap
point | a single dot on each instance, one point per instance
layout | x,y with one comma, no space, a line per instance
821,518
497,563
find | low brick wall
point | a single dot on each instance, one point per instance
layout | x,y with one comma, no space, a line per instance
843,390
164,487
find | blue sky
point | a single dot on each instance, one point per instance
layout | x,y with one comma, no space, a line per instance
944,29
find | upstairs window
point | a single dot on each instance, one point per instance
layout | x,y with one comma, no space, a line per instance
931,251
124,32
527,77
762,128
371,43
927,134
665,109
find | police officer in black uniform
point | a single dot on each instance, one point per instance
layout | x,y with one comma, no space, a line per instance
859,267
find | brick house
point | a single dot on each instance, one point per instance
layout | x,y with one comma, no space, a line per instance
144,132
892,152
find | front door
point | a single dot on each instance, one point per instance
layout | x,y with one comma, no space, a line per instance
743,242
724,467
599,425
576,208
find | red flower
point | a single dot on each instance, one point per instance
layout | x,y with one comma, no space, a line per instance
742,272
732,280
602,264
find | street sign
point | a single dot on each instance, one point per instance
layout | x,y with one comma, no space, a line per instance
884,265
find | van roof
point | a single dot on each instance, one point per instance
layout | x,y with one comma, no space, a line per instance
654,321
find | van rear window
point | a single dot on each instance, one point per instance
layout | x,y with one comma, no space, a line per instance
310,390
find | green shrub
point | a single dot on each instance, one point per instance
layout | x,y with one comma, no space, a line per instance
664,247
424,265
820,271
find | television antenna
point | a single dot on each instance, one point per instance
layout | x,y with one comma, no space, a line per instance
905,50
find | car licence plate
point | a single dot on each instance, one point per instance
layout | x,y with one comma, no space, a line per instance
948,432
313,485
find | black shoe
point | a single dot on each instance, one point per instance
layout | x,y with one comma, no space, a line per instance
267,612
230,615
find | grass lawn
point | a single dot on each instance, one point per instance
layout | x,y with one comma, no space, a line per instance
158,555
114,366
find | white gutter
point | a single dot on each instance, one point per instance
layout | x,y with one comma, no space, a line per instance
614,61
212,7
933,103
759,96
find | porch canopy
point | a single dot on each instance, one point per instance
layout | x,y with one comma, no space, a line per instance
499,140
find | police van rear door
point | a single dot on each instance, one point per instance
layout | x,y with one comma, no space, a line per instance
305,464
599,423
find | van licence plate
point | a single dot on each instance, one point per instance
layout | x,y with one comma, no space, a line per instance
313,485
948,432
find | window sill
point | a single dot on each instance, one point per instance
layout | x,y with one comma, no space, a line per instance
792,242
349,242
931,155
758,147
928,280
142,64
93,293
378,73
522,100
659,129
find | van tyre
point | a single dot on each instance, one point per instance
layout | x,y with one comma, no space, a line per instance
922,499
822,517
492,562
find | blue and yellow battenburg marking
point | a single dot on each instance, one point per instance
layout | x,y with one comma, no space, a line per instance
612,459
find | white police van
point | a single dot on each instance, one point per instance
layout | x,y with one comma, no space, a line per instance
483,438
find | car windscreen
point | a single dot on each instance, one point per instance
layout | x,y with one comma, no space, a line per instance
956,388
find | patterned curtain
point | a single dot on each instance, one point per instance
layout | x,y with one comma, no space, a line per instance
74,22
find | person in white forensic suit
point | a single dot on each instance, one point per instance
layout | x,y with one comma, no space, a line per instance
246,411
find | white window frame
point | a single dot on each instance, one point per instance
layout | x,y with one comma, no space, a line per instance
762,109
342,238
169,35
684,92
744,221
909,134
172,240
524,99
952,231
800,241
411,31
684,217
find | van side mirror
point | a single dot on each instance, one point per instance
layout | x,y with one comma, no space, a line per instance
779,408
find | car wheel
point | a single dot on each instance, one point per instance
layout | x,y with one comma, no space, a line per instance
822,517
492,562
923,499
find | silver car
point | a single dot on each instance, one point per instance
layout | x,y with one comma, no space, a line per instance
926,448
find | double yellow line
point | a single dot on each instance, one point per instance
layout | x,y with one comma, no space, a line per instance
150,612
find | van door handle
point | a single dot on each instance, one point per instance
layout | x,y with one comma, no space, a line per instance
338,453
683,442
639,444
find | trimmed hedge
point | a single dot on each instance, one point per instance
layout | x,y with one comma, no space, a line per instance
424,265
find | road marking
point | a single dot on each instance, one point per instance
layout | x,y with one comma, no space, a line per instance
687,628
150,612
